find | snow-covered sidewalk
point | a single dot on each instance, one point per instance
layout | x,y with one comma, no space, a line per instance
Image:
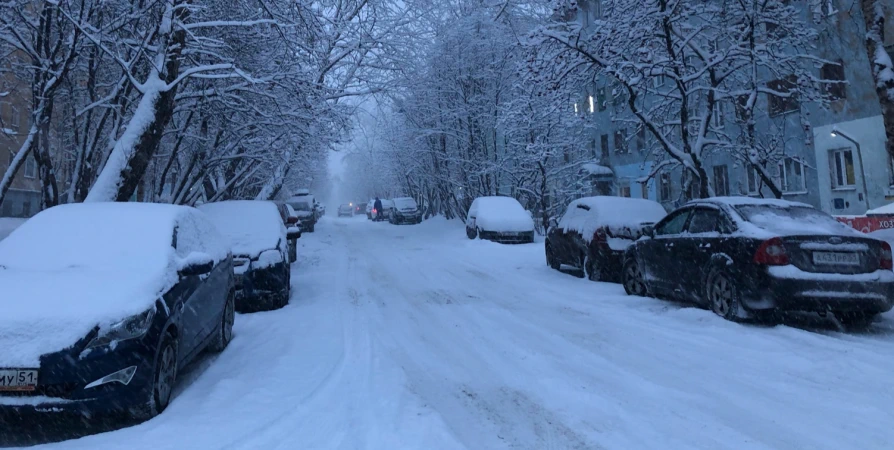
402,337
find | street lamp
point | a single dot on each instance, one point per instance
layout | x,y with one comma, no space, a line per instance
835,133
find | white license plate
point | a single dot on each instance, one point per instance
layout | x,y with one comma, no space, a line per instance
18,380
836,258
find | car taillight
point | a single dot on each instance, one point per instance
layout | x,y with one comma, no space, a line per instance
884,258
600,236
772,253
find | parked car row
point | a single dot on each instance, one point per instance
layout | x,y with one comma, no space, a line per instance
740,257
100,314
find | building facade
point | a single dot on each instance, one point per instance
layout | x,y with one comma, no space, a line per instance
837,164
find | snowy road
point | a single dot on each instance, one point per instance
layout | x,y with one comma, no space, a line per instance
414,337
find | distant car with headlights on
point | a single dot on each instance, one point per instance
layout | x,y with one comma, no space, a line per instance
346,210
100,315
260,251
405,211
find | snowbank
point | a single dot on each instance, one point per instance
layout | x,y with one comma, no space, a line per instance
886,210
73,267
500,214
251,226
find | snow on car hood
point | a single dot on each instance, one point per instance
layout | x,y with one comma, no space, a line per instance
502,214
251,226
74,267
45,312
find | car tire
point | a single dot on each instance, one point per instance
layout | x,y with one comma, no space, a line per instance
722,296
225,332
163,379
633,280
471,233
310,229
551,259
856,320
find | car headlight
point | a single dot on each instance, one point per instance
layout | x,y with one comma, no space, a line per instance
129,328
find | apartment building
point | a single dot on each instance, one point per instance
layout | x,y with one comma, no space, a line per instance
841,167
23,198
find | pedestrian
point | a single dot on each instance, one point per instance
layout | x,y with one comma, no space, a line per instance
377,207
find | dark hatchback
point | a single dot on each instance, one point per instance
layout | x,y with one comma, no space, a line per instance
744,257
115,308
260,250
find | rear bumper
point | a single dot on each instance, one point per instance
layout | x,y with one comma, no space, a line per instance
402,218
792,290
502,237
259,287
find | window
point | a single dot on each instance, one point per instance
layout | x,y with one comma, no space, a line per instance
596,9
26,208
828,7
788,101
600,98
592,109
791,176
664,186
15,120
741,106
673,224
30,167
575,109
624,189
721,181
641,139
833,85
718,114
841,164
603,140
644,190
621,141
593,148
704,220
753,181
658,80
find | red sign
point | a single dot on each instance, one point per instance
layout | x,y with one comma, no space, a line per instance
867,224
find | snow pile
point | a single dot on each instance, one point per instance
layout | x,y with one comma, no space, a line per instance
251,226
8,224
405,204
73,267
500,214
886,210
624,217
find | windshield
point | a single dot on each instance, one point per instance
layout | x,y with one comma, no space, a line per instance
791,220
300,206
405,203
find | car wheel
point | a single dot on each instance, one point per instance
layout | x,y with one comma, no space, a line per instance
225,333
471,233
722,296
634,282
163,380
551,259
856,320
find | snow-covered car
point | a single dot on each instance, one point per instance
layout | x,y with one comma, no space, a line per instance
405,211
346,210
499,219
99,315
289,219
744,257
306,211
594,233
258,242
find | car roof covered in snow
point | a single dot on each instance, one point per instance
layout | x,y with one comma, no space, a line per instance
405,202
252,226
73,267
886,210
742,200
498,213
765,218
610,211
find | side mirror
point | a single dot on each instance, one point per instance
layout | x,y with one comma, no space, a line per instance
649,230
292,220
196,264
293,233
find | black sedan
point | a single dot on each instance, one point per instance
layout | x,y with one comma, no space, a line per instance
100,315
594,233
744,257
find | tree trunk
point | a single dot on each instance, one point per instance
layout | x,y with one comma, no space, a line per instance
881,65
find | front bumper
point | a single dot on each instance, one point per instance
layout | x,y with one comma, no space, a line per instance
502,237
406,218
257,289
63,376
789,289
